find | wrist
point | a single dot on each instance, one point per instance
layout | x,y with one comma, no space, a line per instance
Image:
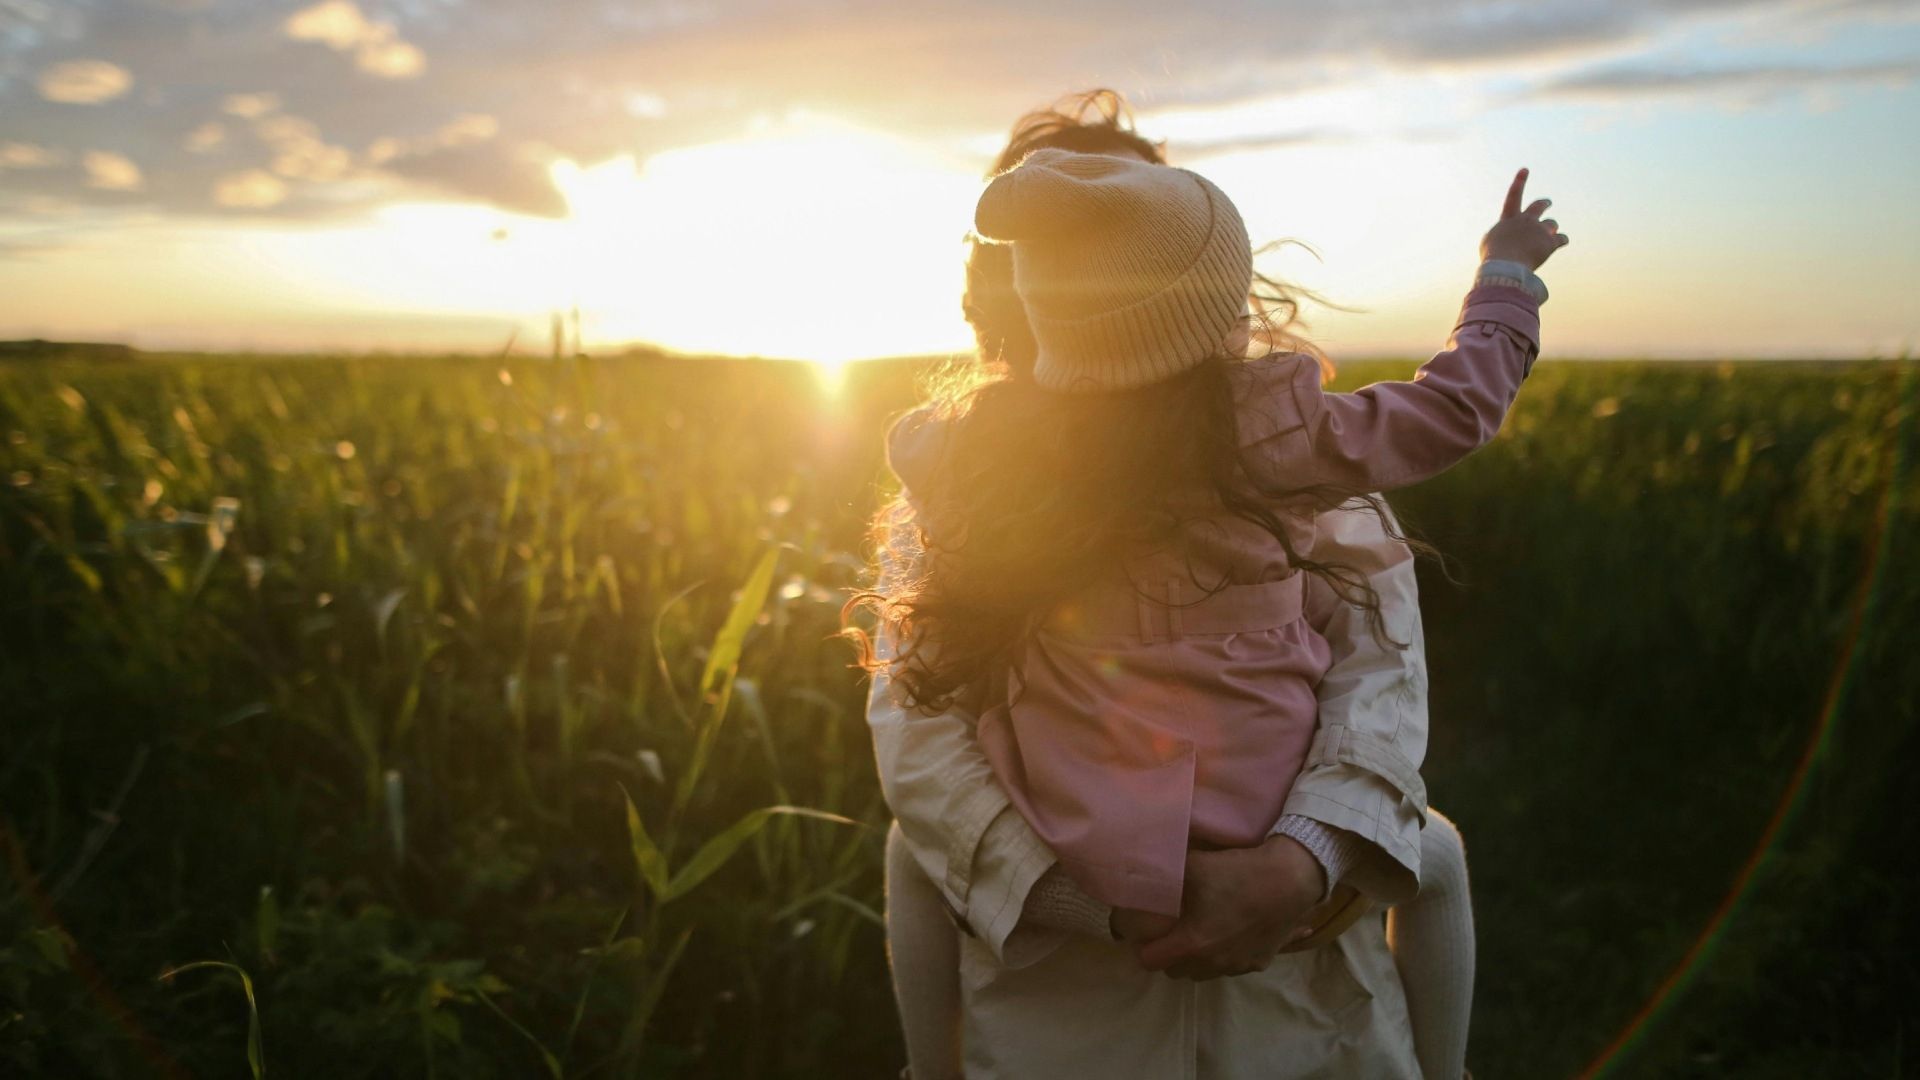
1295,864
1495,270
1058,903
1322,841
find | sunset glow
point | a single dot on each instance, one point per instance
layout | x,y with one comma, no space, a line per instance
812,238
385,178
535,538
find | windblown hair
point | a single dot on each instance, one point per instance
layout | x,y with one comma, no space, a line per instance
1100,122
1041,495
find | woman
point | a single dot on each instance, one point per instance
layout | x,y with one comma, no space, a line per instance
1045,994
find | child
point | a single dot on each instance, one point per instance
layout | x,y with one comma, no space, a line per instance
1113,554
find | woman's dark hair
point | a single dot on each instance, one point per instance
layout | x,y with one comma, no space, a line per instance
1041,494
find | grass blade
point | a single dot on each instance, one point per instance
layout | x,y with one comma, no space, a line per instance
646,856
650,993
553,1063
715,852
256,1053
725,654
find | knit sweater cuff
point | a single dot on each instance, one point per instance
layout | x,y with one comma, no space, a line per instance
1338,851
1057,903
1509,272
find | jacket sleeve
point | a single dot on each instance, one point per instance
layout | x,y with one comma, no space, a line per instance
957,821
1392,434
1362,772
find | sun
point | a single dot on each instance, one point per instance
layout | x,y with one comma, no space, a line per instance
803,238
808,238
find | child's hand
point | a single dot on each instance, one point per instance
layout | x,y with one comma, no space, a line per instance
1523,237
1139,927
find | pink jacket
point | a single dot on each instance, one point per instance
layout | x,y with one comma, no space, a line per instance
1134,726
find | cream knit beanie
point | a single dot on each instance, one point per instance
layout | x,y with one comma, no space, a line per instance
1130,272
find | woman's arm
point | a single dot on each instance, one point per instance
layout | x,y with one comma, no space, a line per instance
957,821
963,832
1362,776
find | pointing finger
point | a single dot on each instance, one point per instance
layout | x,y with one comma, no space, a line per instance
1514,193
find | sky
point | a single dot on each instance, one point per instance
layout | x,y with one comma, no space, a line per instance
796,179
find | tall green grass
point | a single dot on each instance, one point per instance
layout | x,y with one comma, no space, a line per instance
484,722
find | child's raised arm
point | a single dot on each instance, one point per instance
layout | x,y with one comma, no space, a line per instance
1392,434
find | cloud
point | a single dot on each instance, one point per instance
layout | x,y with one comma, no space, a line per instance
249,106
1884,11
1194,149
254,189
108,171
341,26
391,59
16,155
385,149
1750,83
299,153
205,138
648,106
514,178
1482,33
313,161
337,24
286,130
24,249
84,82
335,101
468,128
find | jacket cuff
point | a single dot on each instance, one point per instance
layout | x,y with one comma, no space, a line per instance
1494,308
1509,272
1336,850
1379,816
1007,864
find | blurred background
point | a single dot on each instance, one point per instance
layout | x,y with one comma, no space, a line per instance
436,439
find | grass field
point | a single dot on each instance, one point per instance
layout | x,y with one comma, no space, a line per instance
429,694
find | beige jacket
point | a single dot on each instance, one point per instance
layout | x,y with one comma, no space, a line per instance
1043,1002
